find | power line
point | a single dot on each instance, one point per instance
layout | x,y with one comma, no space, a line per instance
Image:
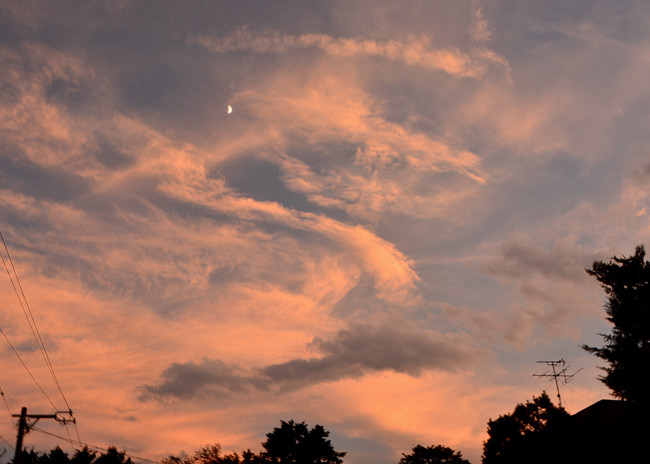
67,431
30,319
90,446
7,443
4,398
76,430
27,369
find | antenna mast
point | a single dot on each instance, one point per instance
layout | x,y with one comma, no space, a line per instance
560,372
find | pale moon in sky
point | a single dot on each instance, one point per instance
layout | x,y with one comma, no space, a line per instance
229,109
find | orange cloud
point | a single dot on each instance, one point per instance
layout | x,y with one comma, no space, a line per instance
388,167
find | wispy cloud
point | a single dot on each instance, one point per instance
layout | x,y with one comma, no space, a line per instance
552,282
121,206
380,165
561,262
415,51
479,29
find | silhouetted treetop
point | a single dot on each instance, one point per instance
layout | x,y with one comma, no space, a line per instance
80,456
433,455
209,454
530,434
295,443
113,456
626,281
83,456
291,443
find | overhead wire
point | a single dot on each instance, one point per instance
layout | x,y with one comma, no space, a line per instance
67,431
11,418
7,443
80,443
30,319
27,369
76,431
4,399
39,340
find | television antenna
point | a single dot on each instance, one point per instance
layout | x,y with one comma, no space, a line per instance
558,370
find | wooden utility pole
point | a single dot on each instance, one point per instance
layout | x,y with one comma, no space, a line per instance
24,427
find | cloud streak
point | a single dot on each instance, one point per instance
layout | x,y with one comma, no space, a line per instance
351,353
381,166
561,262
414,51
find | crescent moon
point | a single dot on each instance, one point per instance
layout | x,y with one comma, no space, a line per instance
229,109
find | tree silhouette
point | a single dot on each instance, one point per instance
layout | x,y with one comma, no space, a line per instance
291,443
248,457
29,457
83,456
294,443
113,456
433,455
209,454
533,433
55,456
626,282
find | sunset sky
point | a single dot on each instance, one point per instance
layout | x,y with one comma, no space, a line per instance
383,237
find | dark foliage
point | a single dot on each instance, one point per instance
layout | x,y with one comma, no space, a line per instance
433,455
83,456
55,456
248,457
113,456
294,443
291,443
210,454
535,432
626,282
80,456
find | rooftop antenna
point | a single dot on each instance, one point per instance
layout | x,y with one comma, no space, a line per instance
557,371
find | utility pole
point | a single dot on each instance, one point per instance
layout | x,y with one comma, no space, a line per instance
555,374
24,427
